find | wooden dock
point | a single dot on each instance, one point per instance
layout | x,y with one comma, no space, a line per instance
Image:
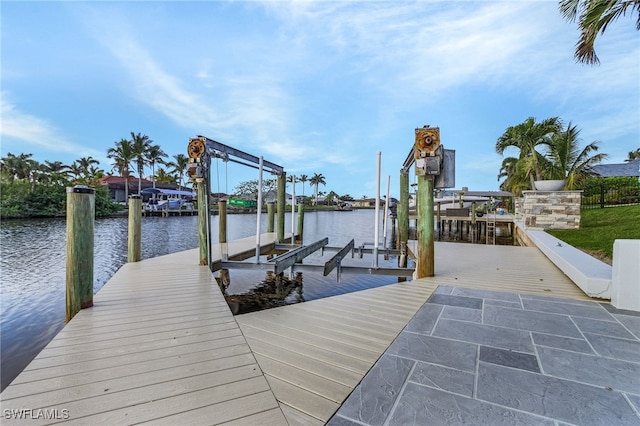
160,344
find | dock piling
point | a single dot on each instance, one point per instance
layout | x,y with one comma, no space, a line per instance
80,241
300,222
425,265
134,240
403,211
271,209
224,279
282,187
204,219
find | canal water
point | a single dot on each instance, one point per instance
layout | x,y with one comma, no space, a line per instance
33,256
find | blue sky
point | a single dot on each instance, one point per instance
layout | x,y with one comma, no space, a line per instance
317,87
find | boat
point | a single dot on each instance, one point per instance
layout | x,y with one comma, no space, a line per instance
167,199
344,206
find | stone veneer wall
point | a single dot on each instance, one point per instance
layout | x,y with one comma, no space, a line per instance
549,209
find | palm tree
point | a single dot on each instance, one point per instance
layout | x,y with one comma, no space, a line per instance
303,179
56,170
567,160
76,171
122,156
85,163
178,167
154,155
317,179
17,166
332,196
633,155
526,137
140,144
56,166
164,177
515,176
593,17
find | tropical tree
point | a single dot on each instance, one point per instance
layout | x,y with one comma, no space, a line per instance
85,163
332,196
178,167
93,176
303,179
317,179
515,176
567,161
633,155
249,188
122,156
17,167
56,166
56,171
527,137
154,155
75,170
140,145
593,17
164,177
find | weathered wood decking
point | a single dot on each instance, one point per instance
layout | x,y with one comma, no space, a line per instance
160,344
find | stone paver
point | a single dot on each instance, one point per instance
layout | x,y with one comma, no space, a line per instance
486,357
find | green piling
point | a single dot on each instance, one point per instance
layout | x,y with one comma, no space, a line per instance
80,241
134,240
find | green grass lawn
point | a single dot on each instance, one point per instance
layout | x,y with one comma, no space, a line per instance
599,228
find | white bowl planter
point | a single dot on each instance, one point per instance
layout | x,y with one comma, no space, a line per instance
549,185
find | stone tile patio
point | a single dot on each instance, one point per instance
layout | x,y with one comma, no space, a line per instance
486,357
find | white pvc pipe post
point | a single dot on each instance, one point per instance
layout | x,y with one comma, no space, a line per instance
293,208
259,211
386,215
376,226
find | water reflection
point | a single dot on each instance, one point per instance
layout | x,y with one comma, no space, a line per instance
272,292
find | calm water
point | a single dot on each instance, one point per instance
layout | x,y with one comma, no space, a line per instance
33,267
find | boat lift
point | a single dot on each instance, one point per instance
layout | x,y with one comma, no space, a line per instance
296,253
201,150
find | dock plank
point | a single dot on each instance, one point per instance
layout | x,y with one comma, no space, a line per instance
223,412
159,345
71,377
363,314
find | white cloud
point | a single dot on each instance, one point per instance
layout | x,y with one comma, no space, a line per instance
31,132
217,102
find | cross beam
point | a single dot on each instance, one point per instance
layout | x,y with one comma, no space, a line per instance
220,147
286,260
331,264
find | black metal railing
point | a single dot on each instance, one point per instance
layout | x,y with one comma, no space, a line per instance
603,196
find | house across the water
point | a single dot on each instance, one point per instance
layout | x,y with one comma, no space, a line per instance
116,186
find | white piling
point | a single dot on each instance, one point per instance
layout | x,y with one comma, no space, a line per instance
376,226
259,210
293,208
386,215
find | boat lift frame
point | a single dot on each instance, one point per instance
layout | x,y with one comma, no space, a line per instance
290,260
201,149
